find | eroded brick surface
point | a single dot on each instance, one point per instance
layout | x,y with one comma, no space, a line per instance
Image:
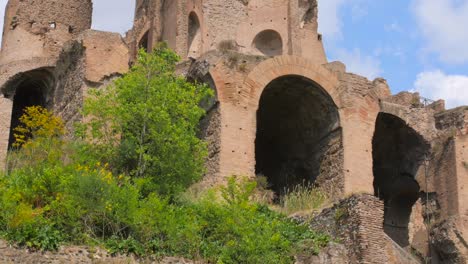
319,127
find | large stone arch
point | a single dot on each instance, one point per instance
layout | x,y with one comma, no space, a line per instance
298,136
144,41
31,88
420,119
398,153
273,68
210,125
302,88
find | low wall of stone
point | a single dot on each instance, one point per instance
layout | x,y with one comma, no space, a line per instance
357,222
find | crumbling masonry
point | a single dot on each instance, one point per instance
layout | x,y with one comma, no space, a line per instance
397,163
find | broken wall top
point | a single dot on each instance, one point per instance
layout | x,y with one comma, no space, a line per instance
39,28
258,27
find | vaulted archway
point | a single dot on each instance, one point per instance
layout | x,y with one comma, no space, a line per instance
298,138
144,42
30,89
194,36
398,153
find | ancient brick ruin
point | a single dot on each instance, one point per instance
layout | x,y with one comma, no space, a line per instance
397,164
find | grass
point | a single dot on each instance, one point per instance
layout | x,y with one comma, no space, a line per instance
302,198
340,213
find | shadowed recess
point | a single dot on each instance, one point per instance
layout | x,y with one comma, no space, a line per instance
194,36
398,153
296,121
268,43
31,89
144,42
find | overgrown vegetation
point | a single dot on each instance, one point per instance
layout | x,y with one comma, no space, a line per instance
121,181
302,198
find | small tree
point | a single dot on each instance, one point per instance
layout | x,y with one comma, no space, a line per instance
146,123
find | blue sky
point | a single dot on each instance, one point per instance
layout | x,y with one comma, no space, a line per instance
418,45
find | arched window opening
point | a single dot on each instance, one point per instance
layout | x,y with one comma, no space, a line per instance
194,36
398,152
268,43
144,42
32,90
298,134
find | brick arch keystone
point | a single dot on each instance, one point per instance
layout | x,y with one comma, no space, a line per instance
276,67
420,120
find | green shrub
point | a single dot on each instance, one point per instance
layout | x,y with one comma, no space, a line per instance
53,203
39,234
79,202
239,231
223,226
124,246
120,190
146,124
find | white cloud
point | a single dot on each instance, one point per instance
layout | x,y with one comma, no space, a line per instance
330,19
365,65
438,85
442,24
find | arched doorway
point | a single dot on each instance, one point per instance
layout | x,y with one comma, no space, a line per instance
268,43
144,42
398,153
32,89
298,138
194,36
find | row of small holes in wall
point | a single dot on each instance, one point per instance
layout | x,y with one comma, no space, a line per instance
270,21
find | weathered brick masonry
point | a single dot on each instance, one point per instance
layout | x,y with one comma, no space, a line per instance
281,110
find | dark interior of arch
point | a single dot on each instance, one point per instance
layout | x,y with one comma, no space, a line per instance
398,153
296,123
269,43
144,42
194,35
31,91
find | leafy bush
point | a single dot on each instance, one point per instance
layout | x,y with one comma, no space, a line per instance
37,122
38,234
146,124
118,183
245,232
225,227
86,205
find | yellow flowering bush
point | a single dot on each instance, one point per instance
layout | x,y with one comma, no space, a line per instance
37,122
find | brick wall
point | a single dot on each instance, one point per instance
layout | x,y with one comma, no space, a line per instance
357,223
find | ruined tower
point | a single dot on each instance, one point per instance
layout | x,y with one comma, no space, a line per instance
34,34
36,30
193,27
